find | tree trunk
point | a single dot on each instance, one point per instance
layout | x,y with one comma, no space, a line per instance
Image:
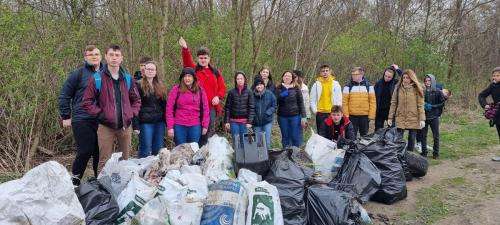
162,34
127,31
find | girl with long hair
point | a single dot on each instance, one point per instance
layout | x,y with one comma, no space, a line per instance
291,110
152,113
407,106
187,109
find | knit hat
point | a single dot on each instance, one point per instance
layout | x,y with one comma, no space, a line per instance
187,70
258,81
298,73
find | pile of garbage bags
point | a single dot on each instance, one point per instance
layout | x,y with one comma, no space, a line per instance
189,185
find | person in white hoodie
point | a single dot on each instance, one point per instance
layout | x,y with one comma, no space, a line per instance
325,93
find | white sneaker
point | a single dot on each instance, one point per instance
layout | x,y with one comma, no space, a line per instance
418,147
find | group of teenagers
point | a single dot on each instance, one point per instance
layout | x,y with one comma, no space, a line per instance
104,104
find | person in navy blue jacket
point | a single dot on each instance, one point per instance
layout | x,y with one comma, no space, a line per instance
383,92
73,115
265,106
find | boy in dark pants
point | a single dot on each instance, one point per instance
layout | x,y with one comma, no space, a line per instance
433,102
493,90
73,115
358,101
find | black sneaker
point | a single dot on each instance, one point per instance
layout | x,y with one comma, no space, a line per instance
435,156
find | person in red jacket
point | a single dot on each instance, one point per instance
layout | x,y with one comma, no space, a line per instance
337,127
114,101
210,79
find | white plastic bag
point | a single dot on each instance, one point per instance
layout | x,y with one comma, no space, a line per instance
137,193
326,157
44,195
191,169
264,205
197,187
153,213
120,172
226,204
180,210
219,164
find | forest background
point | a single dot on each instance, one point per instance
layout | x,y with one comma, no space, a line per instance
41,41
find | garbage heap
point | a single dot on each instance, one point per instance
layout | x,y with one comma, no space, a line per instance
321,184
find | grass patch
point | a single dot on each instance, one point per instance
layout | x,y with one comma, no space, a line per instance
435,202
8,177
464,135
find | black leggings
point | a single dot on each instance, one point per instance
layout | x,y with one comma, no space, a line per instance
412,134
85,134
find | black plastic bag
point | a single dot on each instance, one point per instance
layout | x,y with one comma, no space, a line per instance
358,176
402,159
327,206
290,180
417,164
382,148
98,203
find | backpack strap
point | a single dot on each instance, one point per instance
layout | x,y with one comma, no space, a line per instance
97,78
128,79
201,104
175,102
201,107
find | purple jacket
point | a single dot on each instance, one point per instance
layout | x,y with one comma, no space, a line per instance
102,105
188,108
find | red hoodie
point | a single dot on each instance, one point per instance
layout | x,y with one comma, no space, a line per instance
213,85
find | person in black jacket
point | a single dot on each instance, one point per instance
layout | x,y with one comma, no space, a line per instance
152,113
492,90
73,115
433,102
265,106
240,107
265,75
291,110
142,65
337,127
383,94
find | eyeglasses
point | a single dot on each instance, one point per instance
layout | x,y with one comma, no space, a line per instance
95,54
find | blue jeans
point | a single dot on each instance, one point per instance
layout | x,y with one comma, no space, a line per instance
186,134
238,129
290,130
151,138
267,129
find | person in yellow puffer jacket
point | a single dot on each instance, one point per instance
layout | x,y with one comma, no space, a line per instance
325,93
359,101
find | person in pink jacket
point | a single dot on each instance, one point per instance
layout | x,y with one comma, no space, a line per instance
187,109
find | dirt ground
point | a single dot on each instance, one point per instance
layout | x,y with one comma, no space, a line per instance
472,195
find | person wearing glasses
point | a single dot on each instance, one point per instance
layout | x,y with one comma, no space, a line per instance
112,98
151,117
325,93
359,101
73,115
210,79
